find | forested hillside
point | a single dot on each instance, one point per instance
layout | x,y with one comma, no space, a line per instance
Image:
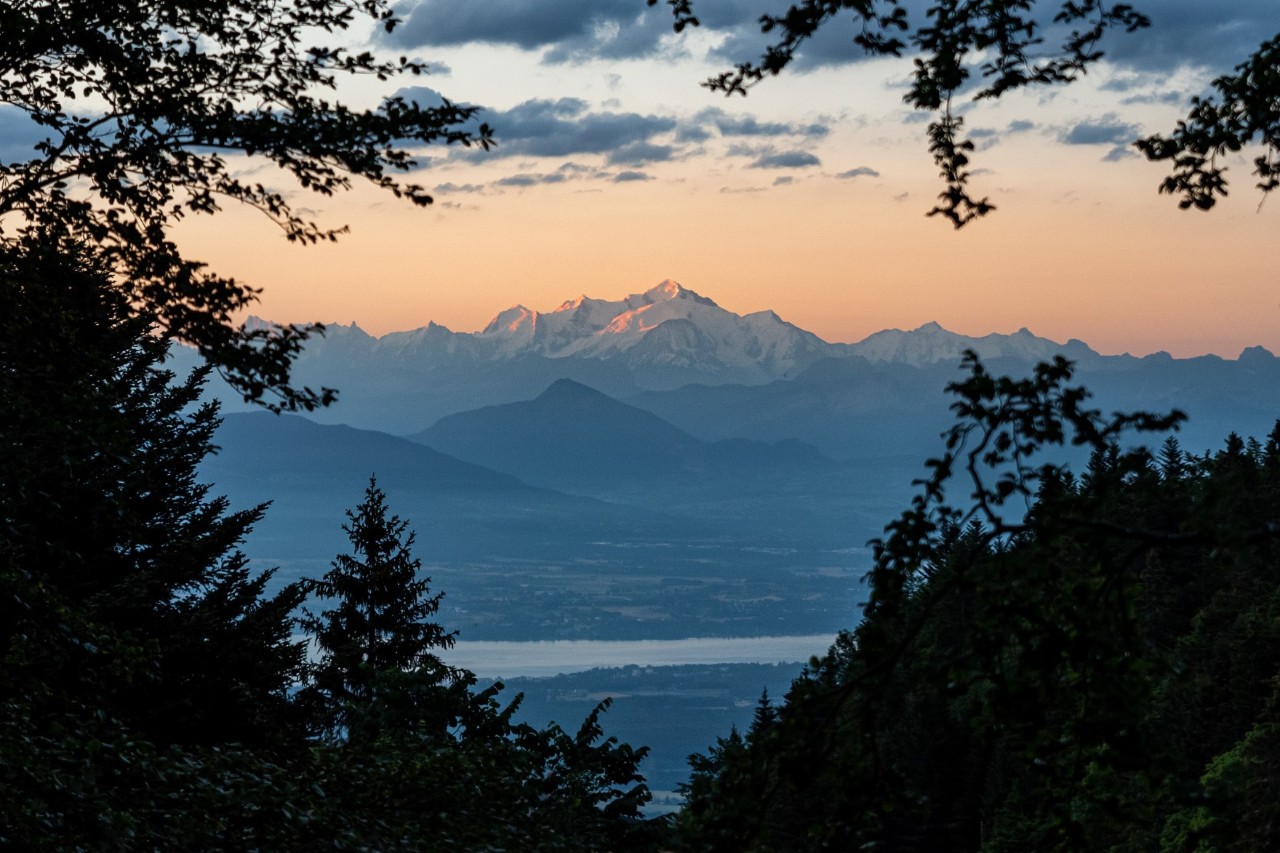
1054,661
154,698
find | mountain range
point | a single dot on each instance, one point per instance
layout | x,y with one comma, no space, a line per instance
626,448
718,375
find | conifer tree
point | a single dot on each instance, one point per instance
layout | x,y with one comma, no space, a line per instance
379,621
104,526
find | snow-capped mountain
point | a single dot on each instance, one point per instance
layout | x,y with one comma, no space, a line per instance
668,326
670,337
931,344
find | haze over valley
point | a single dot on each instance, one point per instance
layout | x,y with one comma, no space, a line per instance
654,467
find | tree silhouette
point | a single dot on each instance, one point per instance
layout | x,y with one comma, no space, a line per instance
980,51
102,517
1050,662
136,112
380,620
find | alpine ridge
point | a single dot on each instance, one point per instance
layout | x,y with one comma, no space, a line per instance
669,338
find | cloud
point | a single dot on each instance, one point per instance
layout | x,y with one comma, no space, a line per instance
521,180
1108,130
568,30
786,160
568,171
629,176
18,135
640,153
566,126
1214,34
451,187
1217,35
729,124
783,180
1119,152
859,172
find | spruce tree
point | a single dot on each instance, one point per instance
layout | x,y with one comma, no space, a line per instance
106,532
380,619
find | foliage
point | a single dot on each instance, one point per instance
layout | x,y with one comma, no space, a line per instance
1245,109
110,544
138,109
984,50
148,687
435,760
1060,663
380,619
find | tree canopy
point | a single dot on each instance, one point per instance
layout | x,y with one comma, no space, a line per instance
979,51
1047,662
137,111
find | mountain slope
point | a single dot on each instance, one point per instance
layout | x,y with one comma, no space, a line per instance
575,438
313,473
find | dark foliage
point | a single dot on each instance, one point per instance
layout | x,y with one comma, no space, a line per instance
143,104
981,51
103,518
380,618
1067,663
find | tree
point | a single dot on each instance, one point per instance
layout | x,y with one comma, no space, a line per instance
380,618
981,51
419,754
1052,662
144,672
102,519
135,110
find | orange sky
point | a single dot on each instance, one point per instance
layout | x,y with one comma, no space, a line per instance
1081,246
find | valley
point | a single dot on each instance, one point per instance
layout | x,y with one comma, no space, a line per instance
651,469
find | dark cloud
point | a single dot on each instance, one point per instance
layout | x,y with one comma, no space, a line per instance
1167,98
629,176
1020,126
451,187
563,127
18,135
1119,152
570,30
1216,34
692,133
521,180
1108,130
639,153
786,160
567,172
729,124
859,172
783,180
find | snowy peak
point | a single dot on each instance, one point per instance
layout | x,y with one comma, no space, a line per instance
667,326
514,320
931,343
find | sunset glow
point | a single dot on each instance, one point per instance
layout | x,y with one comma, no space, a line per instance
807,198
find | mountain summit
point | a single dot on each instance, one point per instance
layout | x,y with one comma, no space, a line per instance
662,339
667,326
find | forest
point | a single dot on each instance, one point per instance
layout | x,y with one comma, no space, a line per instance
1047,660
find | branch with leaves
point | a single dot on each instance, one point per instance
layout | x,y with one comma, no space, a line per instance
140,108
982,51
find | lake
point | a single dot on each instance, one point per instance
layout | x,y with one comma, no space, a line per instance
498,659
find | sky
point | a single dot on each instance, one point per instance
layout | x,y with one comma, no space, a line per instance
615,169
